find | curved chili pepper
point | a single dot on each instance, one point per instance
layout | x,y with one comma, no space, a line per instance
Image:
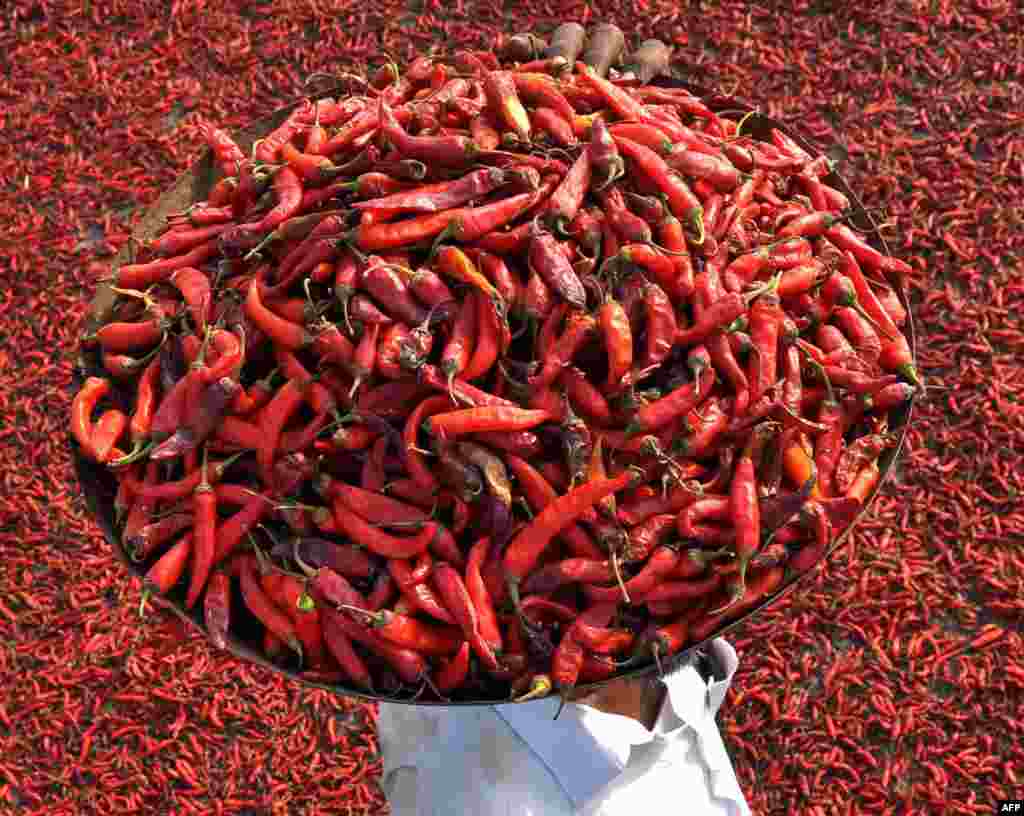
374,507
565,202
227,153
201,419
628,227
488,625
459,602
260,604
168,569
761,583
580,327
530,544
340,646
106,432
445,150
452,673
288,335
491,337
409,633
419,594
858,455
568,658
679,402
551,123
408,664
82,407
680,590
718,171
681,201
231,531
744,507
584,397
540,494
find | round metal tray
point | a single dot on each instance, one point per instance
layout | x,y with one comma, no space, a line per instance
99,487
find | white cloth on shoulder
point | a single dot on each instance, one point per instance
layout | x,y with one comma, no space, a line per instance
517,760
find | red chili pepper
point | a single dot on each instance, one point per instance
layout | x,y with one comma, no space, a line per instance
890,396
419,594
530,544
227,153
340,646
178,240
261,605
648,134
492,337
551,123
497,272
556,574
370,537
503,101
568,658
459,602
148,538
409,633
580,327
766,317
860,333
488,418
547,260
473,223
684,204
204,512
438,197
627,226
680,401
217,609
452,673
291,336
450,151
660,564
490,630
565,202
168,569
125,336
409,665
718,171
82,407
484,132
231,531
540,494
542,91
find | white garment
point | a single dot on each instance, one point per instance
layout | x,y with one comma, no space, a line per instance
516,760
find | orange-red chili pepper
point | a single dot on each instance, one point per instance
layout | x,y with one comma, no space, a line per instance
168,569
82,407
487,418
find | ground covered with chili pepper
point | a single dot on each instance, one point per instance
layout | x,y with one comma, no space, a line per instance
886,682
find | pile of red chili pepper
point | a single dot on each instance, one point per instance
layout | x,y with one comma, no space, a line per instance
486,378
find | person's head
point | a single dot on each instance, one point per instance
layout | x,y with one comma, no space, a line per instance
637,697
